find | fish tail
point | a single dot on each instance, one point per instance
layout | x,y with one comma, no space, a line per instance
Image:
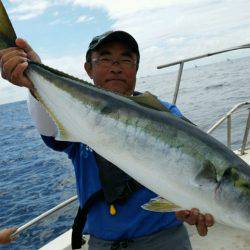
7,32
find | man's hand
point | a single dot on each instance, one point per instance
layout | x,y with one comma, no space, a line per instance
194,217
5,235
14,62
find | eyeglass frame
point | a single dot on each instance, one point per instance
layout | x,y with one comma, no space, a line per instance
112,61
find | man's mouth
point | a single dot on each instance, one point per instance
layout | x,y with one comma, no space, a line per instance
116,80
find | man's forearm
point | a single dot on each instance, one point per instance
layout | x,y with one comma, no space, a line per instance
44,124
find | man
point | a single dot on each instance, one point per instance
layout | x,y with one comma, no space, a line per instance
112,61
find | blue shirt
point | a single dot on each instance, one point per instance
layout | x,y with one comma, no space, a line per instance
130,221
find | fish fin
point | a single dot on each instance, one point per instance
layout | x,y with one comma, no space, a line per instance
206,173
151,101
159,204
7,33
62,133
148,100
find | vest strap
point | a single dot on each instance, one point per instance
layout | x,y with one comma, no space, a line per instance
80,220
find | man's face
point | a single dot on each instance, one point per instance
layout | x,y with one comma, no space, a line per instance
116,77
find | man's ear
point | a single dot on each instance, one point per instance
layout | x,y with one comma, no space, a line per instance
88,69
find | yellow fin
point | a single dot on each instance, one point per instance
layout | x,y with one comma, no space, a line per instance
160,204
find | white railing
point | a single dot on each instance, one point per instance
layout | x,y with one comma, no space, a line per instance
181,63
45,215
228,117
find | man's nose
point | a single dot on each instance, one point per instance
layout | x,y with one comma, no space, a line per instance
116,68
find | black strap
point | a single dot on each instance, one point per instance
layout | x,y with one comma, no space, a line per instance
115,182
80,219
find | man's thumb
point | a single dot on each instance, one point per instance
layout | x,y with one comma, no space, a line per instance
22,44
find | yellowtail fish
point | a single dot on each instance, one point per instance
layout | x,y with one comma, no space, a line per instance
173,158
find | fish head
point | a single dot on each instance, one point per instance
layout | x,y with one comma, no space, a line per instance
233,194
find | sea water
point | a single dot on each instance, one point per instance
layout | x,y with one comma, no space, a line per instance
34,178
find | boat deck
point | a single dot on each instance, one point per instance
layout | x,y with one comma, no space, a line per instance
219,238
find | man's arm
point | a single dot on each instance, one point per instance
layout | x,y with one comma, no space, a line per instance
14,62
45,125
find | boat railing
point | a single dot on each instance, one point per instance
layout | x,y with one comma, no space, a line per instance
228,117
45,215
181,65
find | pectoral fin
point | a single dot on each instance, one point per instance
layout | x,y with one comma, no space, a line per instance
160,204
207,173
149,100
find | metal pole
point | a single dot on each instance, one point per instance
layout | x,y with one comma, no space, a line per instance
244,142
44,215
245,46
229,123
236,107
178,82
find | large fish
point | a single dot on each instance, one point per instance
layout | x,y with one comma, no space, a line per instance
166,154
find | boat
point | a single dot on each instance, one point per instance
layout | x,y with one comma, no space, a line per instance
219,236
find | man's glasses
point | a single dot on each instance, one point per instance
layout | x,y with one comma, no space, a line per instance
107,61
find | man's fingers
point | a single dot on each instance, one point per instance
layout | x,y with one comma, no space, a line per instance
194,217
18,76
194,213
189,216
11,230
12,53
6,235
7,60
209,220
9,66
182,214
31,54
5,52
201,226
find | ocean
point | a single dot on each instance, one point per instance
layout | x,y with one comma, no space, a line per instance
34,178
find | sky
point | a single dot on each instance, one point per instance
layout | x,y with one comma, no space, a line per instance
166,30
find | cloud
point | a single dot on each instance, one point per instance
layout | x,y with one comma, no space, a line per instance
55,14
11,93
28,9
73,65
166,30
118,9
175,29
84,19
59,21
